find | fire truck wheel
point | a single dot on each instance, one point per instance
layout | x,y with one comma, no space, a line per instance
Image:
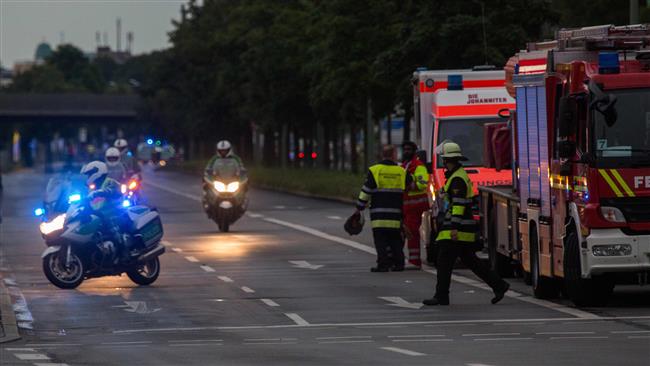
543,287
583,292
498,262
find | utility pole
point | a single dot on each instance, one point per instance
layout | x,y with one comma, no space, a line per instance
634,11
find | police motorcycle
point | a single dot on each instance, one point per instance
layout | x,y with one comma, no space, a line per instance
130,188
77,248
225,186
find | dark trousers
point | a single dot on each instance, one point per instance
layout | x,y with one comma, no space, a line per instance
390,247
448,251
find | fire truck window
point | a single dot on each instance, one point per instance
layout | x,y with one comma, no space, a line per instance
629,137
468,133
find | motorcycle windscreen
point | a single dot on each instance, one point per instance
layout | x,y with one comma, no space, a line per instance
226,168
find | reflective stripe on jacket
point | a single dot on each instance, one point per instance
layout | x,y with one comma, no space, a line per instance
458,196
384,189
417,197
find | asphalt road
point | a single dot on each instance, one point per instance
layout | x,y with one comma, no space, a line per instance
287,287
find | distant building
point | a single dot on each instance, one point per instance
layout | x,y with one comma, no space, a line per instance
119,57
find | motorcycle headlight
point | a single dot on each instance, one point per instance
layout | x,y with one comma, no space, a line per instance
232,187
123,188
54,225
220,187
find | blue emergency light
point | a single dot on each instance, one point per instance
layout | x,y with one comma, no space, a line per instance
149,141
455,82
74,198
126,203
608,63
39,211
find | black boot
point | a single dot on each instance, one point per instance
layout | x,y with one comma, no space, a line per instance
498,295
435,301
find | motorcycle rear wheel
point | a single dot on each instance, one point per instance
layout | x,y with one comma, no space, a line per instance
145,274
60,276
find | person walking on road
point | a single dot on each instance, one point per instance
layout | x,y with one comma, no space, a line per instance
457,236
416,200
384,189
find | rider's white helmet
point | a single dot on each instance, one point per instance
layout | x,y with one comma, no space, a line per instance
94,171
112,156
223,147
121,144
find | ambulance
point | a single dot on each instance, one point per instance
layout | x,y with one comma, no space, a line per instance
461,105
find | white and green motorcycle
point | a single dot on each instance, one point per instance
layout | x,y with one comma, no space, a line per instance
77,249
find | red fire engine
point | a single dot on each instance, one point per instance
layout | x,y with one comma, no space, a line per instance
577,217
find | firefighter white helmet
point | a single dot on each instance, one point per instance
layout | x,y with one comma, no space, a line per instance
112,156
121,144
223,147
94,171
450,150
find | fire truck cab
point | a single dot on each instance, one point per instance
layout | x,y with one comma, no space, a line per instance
578,214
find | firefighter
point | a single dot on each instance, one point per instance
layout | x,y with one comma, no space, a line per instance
457,236
384,188
416,200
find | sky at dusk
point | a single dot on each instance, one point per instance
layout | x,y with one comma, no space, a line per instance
25,23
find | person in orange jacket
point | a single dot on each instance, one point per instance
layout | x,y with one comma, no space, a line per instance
416,200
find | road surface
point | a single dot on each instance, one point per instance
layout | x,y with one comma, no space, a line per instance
287,287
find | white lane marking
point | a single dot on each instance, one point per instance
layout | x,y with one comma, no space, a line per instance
629,331
504,339
280,207
403,351
10,282
297,319
638,337
269,339
305,265
208,268
489,334
119,343
342,337
31,356
577,337
365,248
376,324
423,340
20,349
335,217
401,303
138,307
195,344
172,190
50,364
350,341
254,215
225,278
416,336
192,259
53,344
194,340
322,235
177,250
564,333
266,343
476,364
269,302
247,290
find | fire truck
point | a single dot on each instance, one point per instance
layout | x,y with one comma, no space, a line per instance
576,219
462,106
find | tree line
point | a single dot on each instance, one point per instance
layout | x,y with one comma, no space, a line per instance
289,76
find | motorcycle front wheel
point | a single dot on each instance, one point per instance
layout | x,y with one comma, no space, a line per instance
60,275
145,274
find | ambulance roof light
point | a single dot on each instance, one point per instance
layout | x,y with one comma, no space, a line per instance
608,63
455,82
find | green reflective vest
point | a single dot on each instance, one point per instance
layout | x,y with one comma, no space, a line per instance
384,189
458,215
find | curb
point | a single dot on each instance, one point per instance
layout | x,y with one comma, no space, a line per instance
7,315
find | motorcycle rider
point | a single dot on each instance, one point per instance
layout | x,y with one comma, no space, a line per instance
102,186
116,169
224,151
130,162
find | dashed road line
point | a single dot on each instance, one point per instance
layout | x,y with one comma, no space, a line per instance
341,337
125,343
193,340
629,331
50,364
20,349
31,356
346,342
247,290
504,339
191,259
334,217
177,250
416,336
638,337
403,351
489,334
578,337
564,333
423,340
207,268
225,279
195,344
269,302
297,319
